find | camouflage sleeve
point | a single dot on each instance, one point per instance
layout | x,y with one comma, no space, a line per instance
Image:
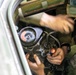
64,38
34,19
71,69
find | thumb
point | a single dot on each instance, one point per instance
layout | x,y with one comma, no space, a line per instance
56,52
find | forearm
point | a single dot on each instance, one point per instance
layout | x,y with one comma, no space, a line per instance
40,19
34,19
47,20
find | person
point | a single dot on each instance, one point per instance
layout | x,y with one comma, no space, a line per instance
56,58
60,23
37,67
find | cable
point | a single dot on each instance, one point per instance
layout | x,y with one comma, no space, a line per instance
55,40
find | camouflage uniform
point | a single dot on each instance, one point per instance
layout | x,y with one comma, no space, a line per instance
71,69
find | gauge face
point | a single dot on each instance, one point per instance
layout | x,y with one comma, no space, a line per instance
27,35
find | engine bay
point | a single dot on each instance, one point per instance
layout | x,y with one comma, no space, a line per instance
41,41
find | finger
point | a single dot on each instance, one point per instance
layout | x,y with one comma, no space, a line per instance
59,57
66,18
70,21
55,61
66,29
27,56
52,51
71,27
32,65
56,53
49,56
37,59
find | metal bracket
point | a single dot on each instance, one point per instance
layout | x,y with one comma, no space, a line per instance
44,4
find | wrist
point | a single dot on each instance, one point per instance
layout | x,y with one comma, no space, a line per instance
46,20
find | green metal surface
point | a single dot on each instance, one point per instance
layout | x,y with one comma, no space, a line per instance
71,10
34,6
37,5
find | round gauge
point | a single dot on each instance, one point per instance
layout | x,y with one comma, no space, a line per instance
27,35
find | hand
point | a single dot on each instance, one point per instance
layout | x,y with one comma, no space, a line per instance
57,57
37,66
61,23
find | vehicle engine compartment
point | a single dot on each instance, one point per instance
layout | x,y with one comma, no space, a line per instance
41,41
